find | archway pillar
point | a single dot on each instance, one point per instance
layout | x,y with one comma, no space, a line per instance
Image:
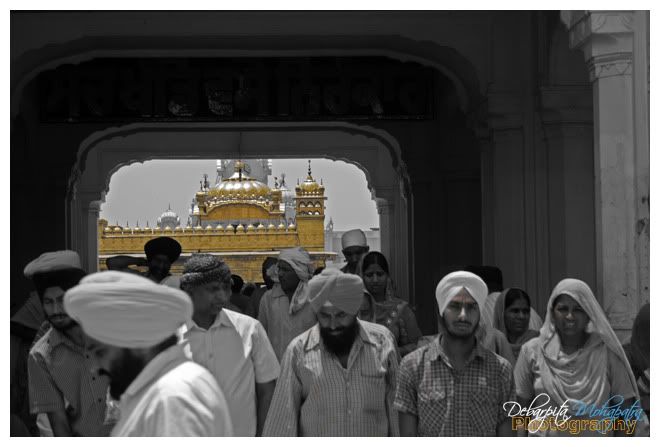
615,47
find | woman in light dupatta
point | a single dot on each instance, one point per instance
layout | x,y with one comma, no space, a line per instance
576,360
511,317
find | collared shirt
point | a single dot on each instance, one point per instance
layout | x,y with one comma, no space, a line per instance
236,350
173,396
317,396
282,326
60,378
452,403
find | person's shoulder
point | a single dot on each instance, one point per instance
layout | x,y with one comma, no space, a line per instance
416,358
244,324
186,376
378,333
274,292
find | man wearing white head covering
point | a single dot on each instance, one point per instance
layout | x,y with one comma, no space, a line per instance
131,324
61,384
354,246
338,377
284,310
454,386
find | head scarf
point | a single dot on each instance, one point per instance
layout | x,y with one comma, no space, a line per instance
53,261
588,382
342,290
451,285
498,322
163,246
299,260
125,310
353,238
202,269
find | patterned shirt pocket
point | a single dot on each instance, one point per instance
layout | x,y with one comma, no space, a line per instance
432,410
485,407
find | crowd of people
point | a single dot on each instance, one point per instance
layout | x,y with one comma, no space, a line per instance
311,352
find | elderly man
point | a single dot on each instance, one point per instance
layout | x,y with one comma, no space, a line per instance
60,382
454,386
161,253
338,378
232,346
284,310
131,324
354,246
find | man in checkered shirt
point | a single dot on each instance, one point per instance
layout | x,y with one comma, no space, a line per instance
454,386
338,377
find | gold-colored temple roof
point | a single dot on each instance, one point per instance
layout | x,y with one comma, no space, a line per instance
240,186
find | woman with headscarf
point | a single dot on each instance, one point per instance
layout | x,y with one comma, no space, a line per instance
511,317
390,311
638,353
577,361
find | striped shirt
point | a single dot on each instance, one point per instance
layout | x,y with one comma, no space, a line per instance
316,396
60,378
236,350
454,403
280,325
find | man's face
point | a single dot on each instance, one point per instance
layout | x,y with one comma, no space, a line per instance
159,265
211,297
121,365
51,302
462,315
288,277
338,329
353,255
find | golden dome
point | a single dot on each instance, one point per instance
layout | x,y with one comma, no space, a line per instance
240,186
309,186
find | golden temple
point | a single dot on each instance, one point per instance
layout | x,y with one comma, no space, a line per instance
240,219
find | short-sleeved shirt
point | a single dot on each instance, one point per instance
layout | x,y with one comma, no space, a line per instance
282,326
317,396
173,396
529,382
61,378
236,350
452,403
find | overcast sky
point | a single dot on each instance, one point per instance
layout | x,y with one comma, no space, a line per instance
142,191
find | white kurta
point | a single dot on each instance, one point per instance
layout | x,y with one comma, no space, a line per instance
173,396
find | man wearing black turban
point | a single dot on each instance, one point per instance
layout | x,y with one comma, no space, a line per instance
161,253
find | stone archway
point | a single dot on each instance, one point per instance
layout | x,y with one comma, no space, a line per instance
372,150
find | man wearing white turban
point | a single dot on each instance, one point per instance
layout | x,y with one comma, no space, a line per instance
338,377
61,385
131,324
454,386
284,310
353,246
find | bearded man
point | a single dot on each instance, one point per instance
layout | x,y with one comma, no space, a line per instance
60,382
131,325
338,377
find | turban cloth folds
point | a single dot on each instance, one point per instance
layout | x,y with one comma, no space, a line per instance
126,310
343,290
